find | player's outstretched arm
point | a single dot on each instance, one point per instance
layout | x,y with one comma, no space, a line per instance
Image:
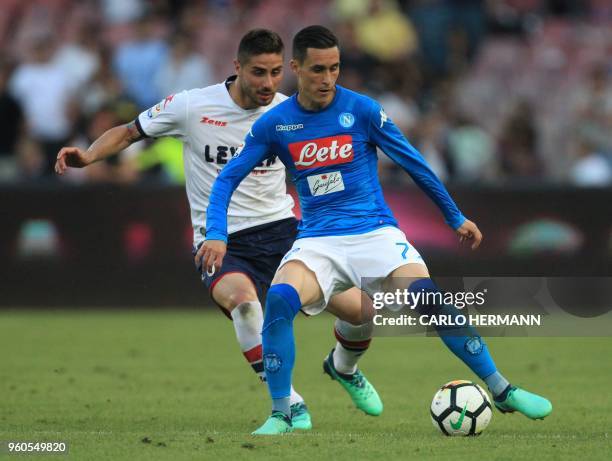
110,143
389,138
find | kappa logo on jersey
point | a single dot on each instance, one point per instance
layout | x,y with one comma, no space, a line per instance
210,121
295,127
322,152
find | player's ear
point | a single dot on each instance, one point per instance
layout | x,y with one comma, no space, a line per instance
294,66
237,66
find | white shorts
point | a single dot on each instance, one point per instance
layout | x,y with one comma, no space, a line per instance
345,261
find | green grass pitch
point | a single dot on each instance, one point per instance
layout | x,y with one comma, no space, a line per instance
173,385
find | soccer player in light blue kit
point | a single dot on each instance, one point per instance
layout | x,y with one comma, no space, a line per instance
327,136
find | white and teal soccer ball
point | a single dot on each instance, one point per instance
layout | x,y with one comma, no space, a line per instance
461,408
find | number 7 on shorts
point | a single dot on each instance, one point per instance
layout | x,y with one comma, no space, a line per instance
405,247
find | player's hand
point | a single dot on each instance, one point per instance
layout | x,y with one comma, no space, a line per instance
210,255
71,157
469,231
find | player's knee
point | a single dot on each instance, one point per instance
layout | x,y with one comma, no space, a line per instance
352,331
358,317
282,303
364,315
247,310
367,311
425,296
239,298
429,300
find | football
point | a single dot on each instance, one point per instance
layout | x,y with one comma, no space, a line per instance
461,408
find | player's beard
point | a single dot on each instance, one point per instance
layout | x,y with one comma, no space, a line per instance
257,96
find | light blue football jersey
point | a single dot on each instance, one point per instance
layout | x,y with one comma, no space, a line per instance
331,157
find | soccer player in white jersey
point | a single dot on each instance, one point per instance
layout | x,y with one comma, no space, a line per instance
212,123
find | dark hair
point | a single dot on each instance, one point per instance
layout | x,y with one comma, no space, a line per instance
259,41
312,37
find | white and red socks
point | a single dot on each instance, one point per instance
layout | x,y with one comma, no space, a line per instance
353,341
248,319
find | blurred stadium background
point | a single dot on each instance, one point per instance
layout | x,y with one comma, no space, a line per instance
510,101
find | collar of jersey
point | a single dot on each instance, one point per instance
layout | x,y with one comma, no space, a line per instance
230,80
332,104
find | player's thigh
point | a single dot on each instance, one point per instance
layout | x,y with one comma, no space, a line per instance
233,289
353,306
384,259
296,274
403,276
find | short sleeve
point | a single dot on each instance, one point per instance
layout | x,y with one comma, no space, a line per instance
166,118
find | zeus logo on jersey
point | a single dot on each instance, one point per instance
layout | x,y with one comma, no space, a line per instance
209,121
322,152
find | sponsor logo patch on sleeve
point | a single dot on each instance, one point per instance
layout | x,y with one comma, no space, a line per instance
154,111
168,100
158,108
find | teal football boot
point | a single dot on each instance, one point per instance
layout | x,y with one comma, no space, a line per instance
361,391
531,405
300,417
277,423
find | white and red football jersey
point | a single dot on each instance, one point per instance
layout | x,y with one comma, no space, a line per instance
213,127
